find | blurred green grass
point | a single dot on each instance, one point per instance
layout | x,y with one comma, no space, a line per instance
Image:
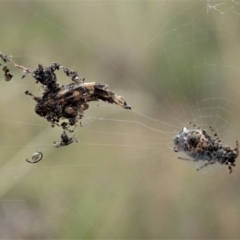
173,61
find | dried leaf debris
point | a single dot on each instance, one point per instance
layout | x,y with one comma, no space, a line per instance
63,105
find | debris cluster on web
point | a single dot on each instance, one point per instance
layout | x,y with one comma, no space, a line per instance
63,105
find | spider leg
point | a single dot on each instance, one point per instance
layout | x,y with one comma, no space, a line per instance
205,165
237,148
230,165
185,159
215,134
194,125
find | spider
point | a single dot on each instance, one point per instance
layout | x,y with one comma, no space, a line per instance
197,144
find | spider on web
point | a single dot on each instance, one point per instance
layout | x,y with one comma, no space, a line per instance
200,146
64,105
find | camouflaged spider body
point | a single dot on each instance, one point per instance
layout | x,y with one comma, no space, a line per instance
198,145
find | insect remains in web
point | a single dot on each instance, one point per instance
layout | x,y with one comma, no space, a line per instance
200,146
62,106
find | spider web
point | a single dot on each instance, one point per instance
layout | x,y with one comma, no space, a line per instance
174,62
